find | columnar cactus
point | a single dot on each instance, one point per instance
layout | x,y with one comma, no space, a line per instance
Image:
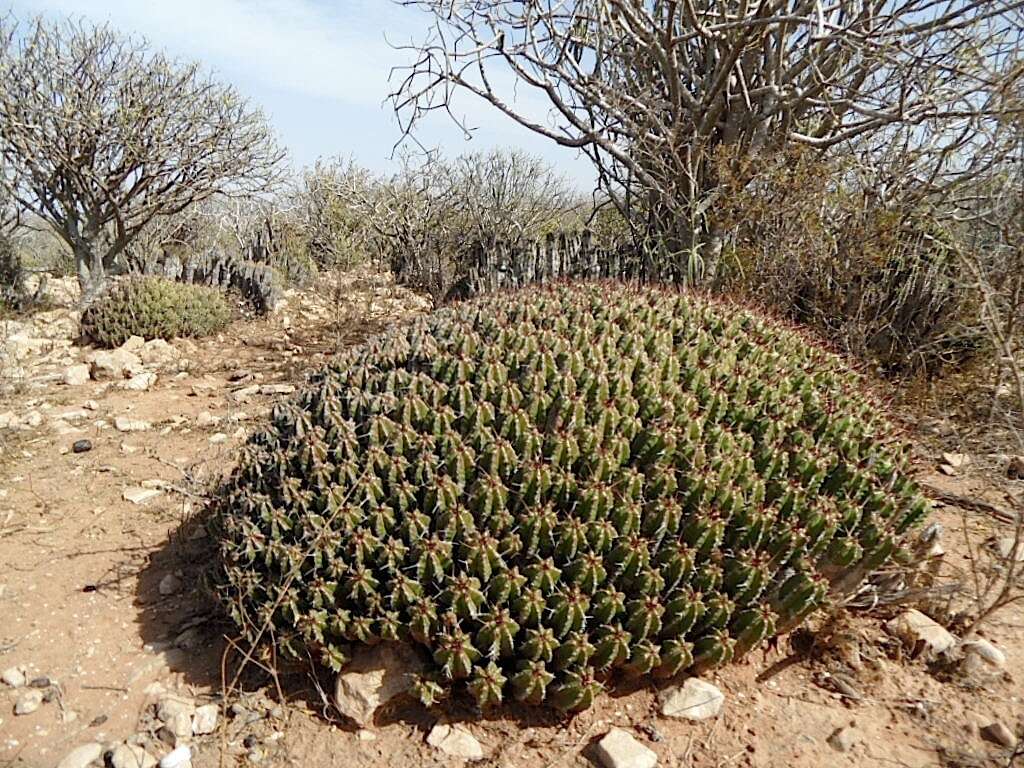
548,488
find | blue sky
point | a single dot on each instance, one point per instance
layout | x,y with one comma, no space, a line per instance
318,68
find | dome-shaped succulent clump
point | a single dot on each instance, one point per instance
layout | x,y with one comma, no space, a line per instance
548,488
154,308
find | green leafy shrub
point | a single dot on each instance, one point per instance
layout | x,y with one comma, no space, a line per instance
550,487
154,308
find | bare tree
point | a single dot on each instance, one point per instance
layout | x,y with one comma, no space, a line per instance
101,135
659,93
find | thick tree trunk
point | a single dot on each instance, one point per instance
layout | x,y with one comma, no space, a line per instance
92,275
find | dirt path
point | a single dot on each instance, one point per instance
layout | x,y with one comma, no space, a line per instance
102,596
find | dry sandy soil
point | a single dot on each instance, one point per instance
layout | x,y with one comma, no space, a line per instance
81,604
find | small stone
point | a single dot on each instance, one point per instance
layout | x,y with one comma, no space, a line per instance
999,734
1008,548
81,446
115,364
131,756
76,375
28,702
207,419
170,584
205,719
133,344
141,495
375,676
157,351
919,631
956,460
456,741
177,758
14,677
947,470
81,756
124,424
618,749
140,382
277,389
984,650
245,393
40,682
364,735
696,699
842,739
218,438
179,724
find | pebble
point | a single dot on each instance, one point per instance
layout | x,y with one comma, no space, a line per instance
456,741
999,734
364,735
984,650
40,682
76,375
170,584
1008,548
28,702
218,438
124,424
842,739
618,749
205,719
277,389
915,629
375,676
131,756
140,382
177,758
14,677
207,419
696,699
81,446
81,756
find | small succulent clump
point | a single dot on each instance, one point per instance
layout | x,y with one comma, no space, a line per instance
154,308
554,487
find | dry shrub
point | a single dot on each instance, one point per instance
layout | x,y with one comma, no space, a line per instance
879,279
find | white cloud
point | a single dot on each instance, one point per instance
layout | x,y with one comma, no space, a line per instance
291,45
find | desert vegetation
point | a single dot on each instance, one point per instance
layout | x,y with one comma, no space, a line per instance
464,446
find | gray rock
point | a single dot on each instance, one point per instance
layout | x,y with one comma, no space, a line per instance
456,741
207,419
984,650
374,677
218,438
140,382
81,756
114,364
131,756
999,734
181,757
141,495
14,677
81,446
245,393
917,630
157,352
124,424
695,699
170,584
618,749
28,702
76,375
277,389
842,739
133,344
204,721
1008,548
172,705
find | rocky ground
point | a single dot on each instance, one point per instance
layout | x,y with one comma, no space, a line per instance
111,651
